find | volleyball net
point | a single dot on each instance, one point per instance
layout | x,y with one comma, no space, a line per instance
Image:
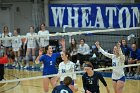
107,38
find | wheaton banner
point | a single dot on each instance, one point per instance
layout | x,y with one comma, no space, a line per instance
94,15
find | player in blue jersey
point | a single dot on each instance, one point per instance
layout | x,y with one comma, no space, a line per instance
49,61
91,79
64,88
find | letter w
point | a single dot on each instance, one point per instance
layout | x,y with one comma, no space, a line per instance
58,14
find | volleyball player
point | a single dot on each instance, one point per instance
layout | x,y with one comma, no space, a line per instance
31,46
67,67
118,59
91,79
16,46
49,61
7,43
64,88
43,41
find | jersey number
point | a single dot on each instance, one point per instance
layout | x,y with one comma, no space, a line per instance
50,62
113,64
64,91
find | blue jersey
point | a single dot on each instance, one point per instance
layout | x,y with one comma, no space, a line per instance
62,89
49,63
135,54
126,50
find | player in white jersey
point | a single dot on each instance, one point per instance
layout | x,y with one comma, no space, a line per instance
6,43
118,60
67,67
43,41
16,46
31,46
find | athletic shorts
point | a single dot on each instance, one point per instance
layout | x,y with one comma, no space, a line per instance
121,79
50,72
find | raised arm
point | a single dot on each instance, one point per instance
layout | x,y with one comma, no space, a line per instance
40,54
102,51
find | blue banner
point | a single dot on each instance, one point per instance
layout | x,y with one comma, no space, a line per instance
94,15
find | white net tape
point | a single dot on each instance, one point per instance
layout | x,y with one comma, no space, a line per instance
73,33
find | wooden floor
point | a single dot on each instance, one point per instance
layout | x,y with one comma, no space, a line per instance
35,86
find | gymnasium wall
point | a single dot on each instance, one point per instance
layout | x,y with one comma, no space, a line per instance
20,14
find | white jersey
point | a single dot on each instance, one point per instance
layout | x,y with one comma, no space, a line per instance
31,41
85,49
43,41
6,43
116,62
16,43
67,68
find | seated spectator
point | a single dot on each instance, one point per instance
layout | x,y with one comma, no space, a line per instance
73,50
126,51
134,58
83,51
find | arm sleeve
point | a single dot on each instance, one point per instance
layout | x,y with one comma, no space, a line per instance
87,51
78,49
58,54
102,79
84,83
48,37
138,57
105,53
131,54
60,70
41,59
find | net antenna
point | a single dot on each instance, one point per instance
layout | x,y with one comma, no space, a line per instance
131,36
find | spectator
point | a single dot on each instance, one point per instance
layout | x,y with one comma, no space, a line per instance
73,50
126,51
134,58
83,52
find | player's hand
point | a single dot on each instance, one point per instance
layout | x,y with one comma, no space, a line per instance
97,44
40,52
